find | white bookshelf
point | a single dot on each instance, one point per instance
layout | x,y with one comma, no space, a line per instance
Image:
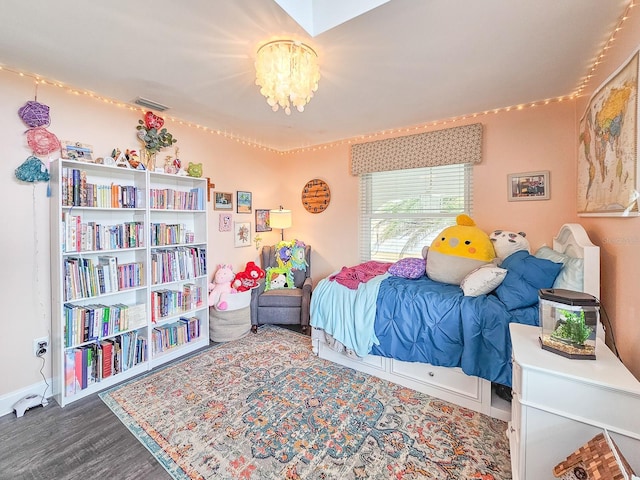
127,231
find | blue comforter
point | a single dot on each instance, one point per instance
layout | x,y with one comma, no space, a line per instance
420,320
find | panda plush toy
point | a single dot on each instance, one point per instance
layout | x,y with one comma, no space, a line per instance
505,243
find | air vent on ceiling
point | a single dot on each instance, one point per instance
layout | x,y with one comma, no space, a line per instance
143,102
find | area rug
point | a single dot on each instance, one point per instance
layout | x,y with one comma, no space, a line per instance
265,407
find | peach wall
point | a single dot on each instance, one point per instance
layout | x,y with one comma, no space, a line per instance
531,139
619,238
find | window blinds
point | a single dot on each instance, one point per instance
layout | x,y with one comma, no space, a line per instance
401,211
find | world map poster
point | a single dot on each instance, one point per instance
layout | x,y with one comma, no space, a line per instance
608,147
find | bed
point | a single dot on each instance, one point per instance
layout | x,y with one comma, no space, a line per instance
430,337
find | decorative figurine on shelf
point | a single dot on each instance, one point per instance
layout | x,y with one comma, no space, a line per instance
133,159
194,170
176,161
169,166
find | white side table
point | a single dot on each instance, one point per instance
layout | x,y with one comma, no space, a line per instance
559,404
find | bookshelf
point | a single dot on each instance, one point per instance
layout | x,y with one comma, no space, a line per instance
128,273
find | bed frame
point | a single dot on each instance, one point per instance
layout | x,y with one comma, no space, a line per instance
452,384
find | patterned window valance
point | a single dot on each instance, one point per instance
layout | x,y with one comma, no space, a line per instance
429,149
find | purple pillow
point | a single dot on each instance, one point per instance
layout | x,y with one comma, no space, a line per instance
408,268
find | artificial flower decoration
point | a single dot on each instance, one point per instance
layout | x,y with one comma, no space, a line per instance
152,133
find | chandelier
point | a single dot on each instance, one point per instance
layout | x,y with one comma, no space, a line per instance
287,72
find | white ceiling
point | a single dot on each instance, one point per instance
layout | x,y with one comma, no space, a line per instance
406,62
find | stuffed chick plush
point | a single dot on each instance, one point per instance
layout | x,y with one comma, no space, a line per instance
458,250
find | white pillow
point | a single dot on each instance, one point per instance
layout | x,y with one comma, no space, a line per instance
571,277
483,280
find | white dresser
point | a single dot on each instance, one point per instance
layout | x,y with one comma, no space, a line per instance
559,404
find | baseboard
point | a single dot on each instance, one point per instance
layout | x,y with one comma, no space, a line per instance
8,400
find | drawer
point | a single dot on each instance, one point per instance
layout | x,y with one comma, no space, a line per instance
446,378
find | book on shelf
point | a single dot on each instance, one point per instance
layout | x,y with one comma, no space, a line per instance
107,358
110,266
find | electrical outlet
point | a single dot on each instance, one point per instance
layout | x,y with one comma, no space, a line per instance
40,346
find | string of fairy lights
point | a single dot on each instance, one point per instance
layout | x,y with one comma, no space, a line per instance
39,80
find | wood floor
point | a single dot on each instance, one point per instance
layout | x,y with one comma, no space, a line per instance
82,440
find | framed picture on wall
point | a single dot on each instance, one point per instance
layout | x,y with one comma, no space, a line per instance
224,222
222,201
528,186
242,234
243,202
262,220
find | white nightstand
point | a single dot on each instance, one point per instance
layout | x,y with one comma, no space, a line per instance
559,404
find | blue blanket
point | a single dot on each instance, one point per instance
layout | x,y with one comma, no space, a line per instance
347,314
420,320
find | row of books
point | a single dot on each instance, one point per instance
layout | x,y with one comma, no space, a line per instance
84,323
170,302
92,236
84,277
169,199
175,334
179,263
78,192
89,364
170,234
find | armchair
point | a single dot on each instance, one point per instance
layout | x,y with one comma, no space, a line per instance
288,306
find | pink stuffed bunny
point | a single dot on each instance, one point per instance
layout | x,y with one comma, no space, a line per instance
221,286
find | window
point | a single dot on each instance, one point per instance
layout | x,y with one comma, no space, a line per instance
401,211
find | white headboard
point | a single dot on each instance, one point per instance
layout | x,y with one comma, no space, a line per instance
572,240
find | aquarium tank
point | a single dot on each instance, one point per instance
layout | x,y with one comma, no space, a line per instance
569,322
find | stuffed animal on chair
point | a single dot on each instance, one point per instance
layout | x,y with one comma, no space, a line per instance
221,287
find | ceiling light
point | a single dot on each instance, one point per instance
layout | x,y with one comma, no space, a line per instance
287,72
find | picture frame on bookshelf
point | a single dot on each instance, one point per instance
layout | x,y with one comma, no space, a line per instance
262,220
222,201
528,186
224,222
242,234
77,151
243,202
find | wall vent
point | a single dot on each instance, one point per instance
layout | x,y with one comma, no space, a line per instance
144,102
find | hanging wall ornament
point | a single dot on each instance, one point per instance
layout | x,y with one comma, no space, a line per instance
42,141
35,114
32,170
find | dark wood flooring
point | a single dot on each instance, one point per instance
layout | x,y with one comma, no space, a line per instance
82,440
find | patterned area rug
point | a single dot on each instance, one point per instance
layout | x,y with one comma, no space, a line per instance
266,407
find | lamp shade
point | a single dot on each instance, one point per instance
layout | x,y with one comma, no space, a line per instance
280,218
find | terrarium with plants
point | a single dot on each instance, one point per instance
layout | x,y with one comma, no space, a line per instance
569,322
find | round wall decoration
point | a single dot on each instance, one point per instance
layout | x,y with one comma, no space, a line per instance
316,196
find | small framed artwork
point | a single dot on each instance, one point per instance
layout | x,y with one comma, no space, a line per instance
77,151
262,220
242,234
243,202
222,201
224,222
529,186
